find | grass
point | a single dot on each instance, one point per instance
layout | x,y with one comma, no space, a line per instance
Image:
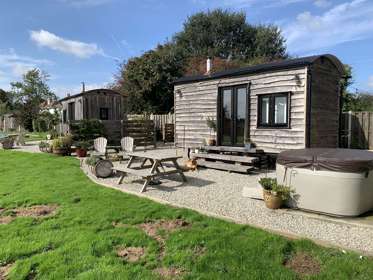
36,136
80,241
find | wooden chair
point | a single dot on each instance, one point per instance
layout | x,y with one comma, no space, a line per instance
99,145
128,145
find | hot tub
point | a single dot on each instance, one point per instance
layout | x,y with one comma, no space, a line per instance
338,182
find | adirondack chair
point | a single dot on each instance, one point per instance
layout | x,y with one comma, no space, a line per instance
128,145
99,145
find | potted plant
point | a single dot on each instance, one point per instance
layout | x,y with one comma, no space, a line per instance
7,143
274,194
82,148
44,147
91,162
211,124
67,141
59,147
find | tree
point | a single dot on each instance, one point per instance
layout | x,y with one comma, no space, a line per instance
354,101
225,36
5,102
29,94
197,65
147,80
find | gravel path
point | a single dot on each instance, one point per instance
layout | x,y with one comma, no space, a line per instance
219,193
30,147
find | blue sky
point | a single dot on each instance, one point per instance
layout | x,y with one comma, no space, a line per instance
85,40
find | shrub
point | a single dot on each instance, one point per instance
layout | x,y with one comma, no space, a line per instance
92,160
57,143
281,190
67,141
53,133
44,147
270,184
83,145
267,183
62,142
86,130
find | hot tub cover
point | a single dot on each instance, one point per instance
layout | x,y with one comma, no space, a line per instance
341,160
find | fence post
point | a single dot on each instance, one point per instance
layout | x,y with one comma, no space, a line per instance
349,129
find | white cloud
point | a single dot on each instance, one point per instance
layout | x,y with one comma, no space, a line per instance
370,82
342,23
322,3
13,66
85,3
79,49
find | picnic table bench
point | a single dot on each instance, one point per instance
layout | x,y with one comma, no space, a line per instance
156,168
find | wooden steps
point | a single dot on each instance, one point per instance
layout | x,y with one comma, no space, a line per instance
233,158
235,163
225,166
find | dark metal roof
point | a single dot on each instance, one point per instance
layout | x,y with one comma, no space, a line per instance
97,90
278,65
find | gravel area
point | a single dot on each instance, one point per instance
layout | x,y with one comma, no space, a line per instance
219,193
30,147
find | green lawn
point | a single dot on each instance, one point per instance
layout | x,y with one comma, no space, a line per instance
80,241
36,136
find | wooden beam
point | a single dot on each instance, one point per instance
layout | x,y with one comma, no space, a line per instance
242,159
225,166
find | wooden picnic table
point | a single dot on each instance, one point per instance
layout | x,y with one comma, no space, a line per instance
156,168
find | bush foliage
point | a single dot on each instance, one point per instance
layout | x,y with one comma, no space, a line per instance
86,130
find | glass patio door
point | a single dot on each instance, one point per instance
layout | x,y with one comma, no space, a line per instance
233,114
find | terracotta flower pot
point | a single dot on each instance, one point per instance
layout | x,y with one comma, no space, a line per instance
81,152
272,201
60,151
210,141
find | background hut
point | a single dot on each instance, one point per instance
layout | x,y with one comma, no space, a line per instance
99,104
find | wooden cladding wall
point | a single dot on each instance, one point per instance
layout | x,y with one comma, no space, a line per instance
194,102
324,105
78,113
88,106
94,102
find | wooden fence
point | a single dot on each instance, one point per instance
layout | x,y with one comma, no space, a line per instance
8,123
357,130
162,124
141,130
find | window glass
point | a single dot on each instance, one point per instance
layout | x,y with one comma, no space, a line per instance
241,110
227,116
104,113
273,110
71,111
64,116
280,109
264,110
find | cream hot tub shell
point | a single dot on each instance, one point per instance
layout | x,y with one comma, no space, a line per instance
332,181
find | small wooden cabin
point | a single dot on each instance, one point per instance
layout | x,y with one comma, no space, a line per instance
105,105
290,104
